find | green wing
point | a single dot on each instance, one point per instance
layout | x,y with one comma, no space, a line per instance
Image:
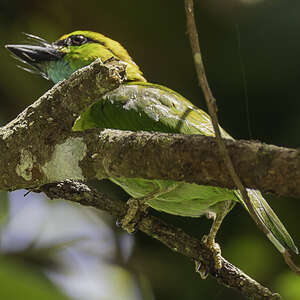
149,107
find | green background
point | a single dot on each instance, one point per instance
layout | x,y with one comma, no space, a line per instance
260,36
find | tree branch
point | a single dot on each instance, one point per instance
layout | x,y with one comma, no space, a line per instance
192,158
41,136
28,158
174,238
28,142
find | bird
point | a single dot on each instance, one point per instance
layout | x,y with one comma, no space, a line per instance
138,105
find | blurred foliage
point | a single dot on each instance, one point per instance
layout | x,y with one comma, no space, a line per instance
76,247
4,206
288,284
154,32
18,281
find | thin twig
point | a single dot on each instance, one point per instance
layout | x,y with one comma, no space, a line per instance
212,109
172,237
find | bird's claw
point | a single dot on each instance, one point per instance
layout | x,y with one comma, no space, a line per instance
136,210
201,267
216,250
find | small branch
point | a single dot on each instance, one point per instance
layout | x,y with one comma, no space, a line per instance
174,238
212,109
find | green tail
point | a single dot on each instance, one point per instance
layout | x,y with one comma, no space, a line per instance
278,234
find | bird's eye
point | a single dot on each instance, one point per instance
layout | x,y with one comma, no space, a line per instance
76,40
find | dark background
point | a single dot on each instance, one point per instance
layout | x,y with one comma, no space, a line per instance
260,36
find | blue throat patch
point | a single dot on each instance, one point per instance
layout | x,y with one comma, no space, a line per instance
58,70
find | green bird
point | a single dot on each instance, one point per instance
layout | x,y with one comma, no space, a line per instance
141,106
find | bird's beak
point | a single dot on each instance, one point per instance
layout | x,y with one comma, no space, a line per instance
34,55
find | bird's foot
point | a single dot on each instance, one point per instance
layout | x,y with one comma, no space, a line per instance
201,267
137,209
215,248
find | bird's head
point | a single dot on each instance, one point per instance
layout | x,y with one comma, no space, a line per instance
58,60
